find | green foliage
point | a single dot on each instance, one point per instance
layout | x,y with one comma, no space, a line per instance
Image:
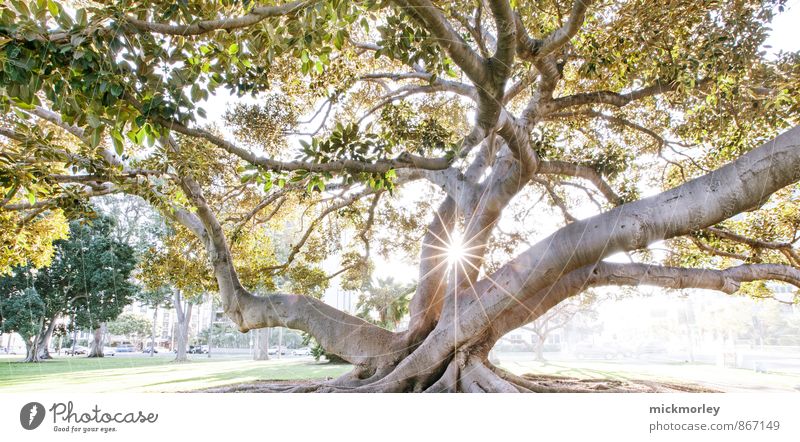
405,40
351,143
130,325
265,124
385,302
21,311
307,280
88,276
414,131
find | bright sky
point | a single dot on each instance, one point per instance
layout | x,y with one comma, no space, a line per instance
786,29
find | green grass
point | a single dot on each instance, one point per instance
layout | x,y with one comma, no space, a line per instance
156,374
160,374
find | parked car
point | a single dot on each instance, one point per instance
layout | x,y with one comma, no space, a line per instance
126,348
77,350
304,351
109,351
274,350
198,349
147,350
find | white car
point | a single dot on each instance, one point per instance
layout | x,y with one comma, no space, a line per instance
77,350
109,351
305,351
274,350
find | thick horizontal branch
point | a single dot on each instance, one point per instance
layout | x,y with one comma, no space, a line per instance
739,186
340,333
614,98
727,280
256,15
404,161
635,274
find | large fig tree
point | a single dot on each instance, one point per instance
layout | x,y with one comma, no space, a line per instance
449,131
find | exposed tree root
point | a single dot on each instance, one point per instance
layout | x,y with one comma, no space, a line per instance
477,378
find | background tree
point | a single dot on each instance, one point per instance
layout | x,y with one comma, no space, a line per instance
130,325
386,299
87,281
175,271
160,297
488,108
22,311
100,269
557,318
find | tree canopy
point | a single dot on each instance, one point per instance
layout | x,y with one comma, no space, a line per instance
404,127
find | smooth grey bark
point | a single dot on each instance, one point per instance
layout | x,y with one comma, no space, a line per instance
184,316
261,348
44,338
32,349
98,340
540,346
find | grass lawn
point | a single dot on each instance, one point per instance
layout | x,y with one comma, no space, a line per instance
156,374
160,374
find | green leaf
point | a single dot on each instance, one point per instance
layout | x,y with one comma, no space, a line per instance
116,138
195,93
53,8
233,49
94,138
116,90
80,17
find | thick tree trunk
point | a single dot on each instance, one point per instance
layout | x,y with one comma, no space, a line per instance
261,349
32,350
184,314
98,338
44,338
540,340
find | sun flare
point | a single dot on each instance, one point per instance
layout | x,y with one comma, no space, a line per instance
455,248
